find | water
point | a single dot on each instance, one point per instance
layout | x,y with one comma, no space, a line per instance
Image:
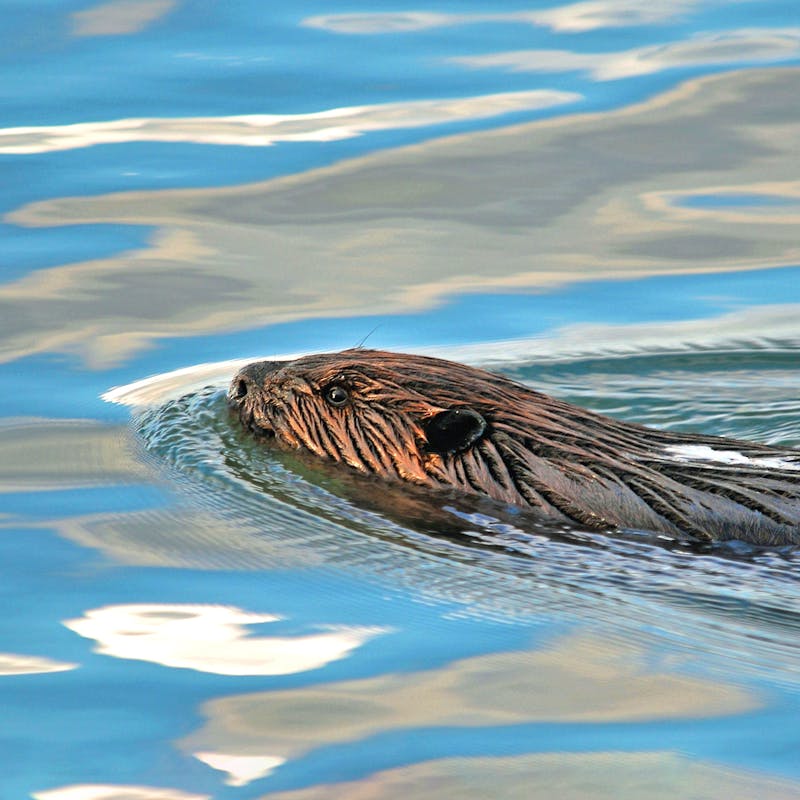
598,199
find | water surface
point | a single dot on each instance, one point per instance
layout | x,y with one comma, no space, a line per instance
597,199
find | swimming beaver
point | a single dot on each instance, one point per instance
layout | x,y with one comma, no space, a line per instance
444,424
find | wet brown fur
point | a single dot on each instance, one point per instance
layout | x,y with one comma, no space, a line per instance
538,452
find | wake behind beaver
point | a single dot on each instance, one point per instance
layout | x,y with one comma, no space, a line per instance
442,424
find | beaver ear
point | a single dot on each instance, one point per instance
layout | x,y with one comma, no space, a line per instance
453,430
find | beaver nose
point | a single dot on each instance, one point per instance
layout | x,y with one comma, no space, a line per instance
251,378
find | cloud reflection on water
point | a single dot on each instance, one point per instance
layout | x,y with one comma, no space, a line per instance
572,17
577,679
755,45
44,454
531,206
777,202
188,537
120,17
212,639
261,130
107,791
16,664
567,776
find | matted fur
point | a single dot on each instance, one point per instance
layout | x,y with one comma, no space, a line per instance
538,452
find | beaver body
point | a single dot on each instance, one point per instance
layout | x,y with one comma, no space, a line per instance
443,424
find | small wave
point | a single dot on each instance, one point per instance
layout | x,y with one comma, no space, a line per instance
499,562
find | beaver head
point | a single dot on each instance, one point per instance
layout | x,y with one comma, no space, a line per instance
440,423
382,413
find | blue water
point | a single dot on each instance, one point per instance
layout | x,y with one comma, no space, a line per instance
736,201
645,277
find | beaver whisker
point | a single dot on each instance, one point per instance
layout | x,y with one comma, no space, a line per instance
380,445
307,413
258,428
357,442
447,425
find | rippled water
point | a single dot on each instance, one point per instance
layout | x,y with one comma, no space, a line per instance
293,501
597,199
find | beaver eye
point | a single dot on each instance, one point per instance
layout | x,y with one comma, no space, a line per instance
336,396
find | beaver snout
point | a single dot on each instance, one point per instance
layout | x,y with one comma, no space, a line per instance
251,378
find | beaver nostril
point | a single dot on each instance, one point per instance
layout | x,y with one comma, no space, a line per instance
241,390
249,381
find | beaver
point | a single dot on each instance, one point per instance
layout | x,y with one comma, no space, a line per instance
442,424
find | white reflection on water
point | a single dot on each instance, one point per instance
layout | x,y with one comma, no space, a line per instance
172,385
595,14
572,17
211,638
694,452
261,130
105,791
241,769
748,45
15,664
394,21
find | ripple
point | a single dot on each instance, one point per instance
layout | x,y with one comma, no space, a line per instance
734,601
